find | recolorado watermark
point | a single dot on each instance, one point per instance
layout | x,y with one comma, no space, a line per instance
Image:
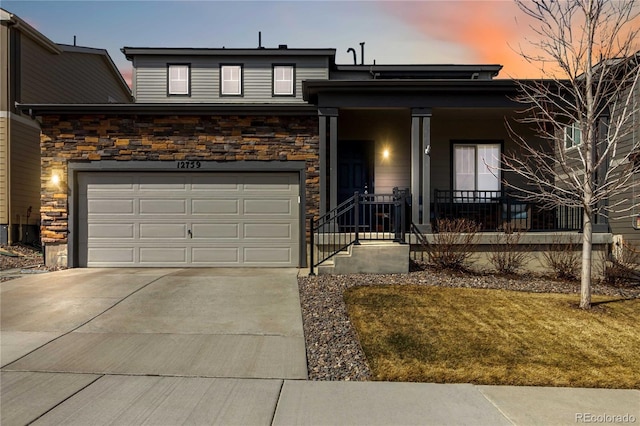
605,418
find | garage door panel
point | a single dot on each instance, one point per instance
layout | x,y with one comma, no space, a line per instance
264,206
110,207
271,231
173,255
111,255
163,182
262,255
111,230
215,231
162,206
269,182
235,219
163,230
215,207
215,255
223,183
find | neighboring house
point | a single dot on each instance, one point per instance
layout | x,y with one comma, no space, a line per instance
36,70
626,222
227,154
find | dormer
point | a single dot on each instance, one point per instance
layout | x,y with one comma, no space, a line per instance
225,76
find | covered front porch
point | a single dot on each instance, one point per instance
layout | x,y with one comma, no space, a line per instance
446,160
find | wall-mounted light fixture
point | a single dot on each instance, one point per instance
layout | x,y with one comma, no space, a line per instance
55,178
385,153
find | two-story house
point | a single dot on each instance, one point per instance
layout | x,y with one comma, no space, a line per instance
226,154
36,70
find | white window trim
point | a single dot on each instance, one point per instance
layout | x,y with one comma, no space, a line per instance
224,89
276,79
569,135
179,79
477,166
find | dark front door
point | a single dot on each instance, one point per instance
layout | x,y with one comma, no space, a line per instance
355,168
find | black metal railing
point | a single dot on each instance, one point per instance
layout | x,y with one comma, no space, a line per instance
501,211
361,217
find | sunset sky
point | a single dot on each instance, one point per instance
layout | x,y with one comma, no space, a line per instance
395,32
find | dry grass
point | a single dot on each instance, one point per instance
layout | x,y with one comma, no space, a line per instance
496,337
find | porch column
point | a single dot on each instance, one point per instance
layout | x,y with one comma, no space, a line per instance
415,168
322,163
426,173
328,180
333,161
421,167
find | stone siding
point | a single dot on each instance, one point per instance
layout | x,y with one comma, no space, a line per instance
168,138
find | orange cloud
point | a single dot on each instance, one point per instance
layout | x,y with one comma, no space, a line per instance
491,32
127,74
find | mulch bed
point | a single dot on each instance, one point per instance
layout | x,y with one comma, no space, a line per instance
333,350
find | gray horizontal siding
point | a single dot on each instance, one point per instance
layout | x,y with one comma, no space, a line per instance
70,77
25,171
622,222
151,78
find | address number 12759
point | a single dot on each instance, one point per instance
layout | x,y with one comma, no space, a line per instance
188,164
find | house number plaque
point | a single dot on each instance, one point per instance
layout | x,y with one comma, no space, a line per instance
188,164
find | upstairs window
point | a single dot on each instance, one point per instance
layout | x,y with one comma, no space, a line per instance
283,80
572,135
178,76
231,80
476,167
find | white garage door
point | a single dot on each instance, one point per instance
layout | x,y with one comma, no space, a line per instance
188,219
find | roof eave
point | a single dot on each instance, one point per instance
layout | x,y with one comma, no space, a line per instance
167,109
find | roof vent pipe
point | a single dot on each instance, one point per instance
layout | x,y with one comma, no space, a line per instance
260,40
362,53
352,50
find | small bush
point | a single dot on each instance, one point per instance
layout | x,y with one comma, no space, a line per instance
563,259
453,244
507,254
622,267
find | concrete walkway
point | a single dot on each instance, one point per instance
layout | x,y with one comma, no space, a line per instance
220,346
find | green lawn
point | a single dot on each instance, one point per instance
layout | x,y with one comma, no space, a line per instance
496,337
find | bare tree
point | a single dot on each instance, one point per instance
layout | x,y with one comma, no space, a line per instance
583,108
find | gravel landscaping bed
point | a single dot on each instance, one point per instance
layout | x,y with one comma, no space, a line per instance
333,350
19,257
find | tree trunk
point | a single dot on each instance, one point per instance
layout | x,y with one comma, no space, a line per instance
585,276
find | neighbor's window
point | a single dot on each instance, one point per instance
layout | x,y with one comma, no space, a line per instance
283,80
476,167
231,80
178,79
572,135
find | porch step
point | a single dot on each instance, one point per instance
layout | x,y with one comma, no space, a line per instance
370,257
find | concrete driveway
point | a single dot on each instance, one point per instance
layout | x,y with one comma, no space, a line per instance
184,322
63,331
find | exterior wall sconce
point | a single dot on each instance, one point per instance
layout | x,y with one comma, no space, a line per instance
385,153
636,222
55,178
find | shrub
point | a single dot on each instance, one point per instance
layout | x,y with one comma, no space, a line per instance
563,258
507,254
622,266
453,244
